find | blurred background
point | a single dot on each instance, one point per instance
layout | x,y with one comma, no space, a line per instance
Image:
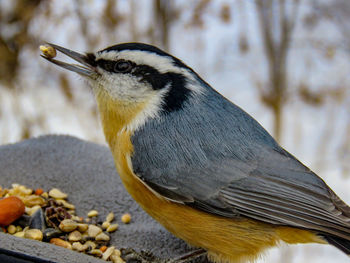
286,62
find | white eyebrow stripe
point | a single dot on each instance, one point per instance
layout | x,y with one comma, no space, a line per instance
161,63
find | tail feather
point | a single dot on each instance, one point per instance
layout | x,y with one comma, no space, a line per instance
340,243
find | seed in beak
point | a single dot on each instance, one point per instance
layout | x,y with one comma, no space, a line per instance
84,68
48,51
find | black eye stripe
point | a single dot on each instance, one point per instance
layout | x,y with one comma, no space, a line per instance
143,72
119,66
106,64
122,66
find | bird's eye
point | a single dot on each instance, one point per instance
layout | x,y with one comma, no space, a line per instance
122,66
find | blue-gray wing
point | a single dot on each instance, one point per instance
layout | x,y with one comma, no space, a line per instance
215,157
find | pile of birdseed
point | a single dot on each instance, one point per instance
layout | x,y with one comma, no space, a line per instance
49,217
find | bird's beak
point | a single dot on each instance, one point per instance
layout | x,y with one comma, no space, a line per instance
85,68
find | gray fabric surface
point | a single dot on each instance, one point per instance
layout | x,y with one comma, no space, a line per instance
87,173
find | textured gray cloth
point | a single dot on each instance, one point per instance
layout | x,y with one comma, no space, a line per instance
87,173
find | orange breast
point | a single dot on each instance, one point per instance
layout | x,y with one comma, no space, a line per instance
226,239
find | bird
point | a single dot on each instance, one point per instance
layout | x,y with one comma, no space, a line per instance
199,164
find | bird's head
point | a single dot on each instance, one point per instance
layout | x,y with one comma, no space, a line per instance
134,82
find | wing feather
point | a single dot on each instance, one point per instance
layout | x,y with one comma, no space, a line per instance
269,197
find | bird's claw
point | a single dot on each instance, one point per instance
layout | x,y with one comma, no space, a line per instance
132,256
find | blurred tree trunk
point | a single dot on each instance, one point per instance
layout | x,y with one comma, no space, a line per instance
133,27
164,15
276,27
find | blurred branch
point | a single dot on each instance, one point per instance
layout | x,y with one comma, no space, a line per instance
325,140
18,18
199,11
344,151
334,11
318,98
225,13
165,14
276,29
65,87
244,45
84,24
111,17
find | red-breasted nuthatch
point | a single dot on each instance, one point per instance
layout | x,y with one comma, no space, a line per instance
200,165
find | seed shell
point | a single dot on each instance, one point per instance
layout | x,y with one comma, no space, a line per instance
102,237
108,253
74,236
57,194
92,213
105,225
96,252
93,230
61,243
68,225
83,227
79,246
11,229
34,234
112,228
110,217
126,218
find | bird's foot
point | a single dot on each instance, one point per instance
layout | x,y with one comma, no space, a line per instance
132,256
198,255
